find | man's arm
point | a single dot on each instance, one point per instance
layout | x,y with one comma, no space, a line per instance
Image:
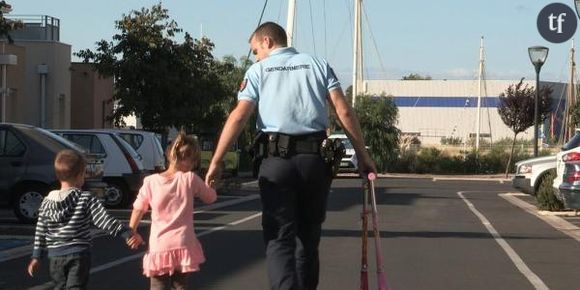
352,129
232,129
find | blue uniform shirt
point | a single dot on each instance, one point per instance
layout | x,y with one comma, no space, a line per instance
290,89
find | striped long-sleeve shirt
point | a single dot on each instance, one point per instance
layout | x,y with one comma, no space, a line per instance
64,221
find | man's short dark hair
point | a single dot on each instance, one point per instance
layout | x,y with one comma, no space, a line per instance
272,30
68,165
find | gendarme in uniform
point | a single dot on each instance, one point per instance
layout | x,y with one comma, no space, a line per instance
290,90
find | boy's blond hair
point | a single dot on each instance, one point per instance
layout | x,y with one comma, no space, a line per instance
68,165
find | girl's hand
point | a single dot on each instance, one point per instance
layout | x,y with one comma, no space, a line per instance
32,266
135,241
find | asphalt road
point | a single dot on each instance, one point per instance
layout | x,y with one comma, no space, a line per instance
443,234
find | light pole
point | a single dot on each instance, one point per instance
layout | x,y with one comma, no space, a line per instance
538,55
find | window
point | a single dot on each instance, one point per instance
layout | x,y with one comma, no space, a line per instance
573,142
135,140
206,145
10,145
90,142
347,144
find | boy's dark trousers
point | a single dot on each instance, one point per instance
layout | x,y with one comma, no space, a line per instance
71,271
294,192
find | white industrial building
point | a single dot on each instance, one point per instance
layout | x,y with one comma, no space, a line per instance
432,109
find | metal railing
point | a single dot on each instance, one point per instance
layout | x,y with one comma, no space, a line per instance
36,27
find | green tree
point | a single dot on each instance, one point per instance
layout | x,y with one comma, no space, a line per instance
163,82
575,114
415,77
516,109
7,25
378,116
231,73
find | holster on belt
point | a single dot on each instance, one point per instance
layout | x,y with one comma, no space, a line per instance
259,144
332,152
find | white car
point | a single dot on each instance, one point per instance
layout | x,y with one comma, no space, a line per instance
530,173
349,162
567,180
123,168
147,144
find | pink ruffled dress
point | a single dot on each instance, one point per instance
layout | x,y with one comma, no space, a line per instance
173,246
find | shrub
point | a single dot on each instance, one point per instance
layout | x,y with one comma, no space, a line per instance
451,140
545,195
428,160
432,160
406,163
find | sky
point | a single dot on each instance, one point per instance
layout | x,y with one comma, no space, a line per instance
436,38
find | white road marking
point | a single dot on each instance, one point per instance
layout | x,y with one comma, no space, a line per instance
250,183
499,180
227,203
516,259
117,262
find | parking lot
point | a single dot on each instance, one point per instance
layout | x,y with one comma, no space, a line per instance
436,233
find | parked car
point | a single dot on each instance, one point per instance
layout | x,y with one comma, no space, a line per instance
147,144
531,173
569,189
123,168
349,162
27,156
230,163
562,158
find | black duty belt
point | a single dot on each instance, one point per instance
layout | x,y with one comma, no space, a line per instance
284,145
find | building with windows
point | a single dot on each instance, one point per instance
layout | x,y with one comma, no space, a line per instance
44,88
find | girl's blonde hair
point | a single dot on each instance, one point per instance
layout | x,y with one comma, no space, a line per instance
184,147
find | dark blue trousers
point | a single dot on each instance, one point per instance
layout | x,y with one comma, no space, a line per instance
71,271
294,193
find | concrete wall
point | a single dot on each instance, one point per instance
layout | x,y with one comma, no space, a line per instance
56,56
15,75
91,98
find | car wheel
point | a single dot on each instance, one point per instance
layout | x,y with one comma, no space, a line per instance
116,195
27,202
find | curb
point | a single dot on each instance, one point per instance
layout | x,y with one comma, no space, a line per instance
434,177
493,178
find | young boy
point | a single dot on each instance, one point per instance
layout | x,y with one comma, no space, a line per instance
63,228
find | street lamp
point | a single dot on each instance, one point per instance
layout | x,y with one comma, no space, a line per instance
538,55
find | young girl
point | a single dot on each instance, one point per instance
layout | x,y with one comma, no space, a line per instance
174,251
